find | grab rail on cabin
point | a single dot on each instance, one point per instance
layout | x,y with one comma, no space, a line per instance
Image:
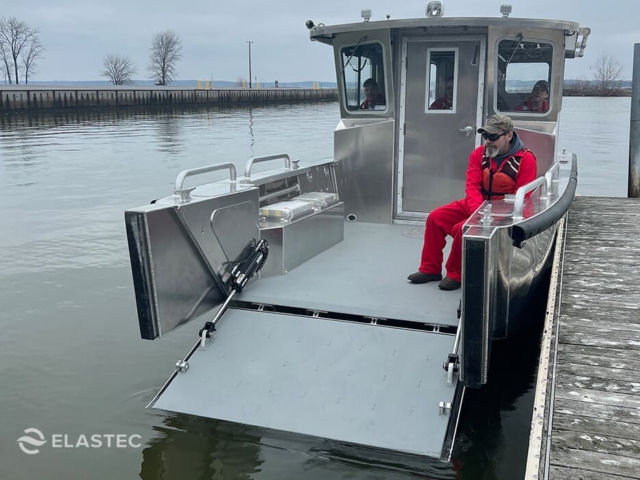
531,227
254,160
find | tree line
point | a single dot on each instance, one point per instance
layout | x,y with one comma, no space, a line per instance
20,48
607,80
164,53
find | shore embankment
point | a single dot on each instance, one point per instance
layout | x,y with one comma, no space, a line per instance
22,98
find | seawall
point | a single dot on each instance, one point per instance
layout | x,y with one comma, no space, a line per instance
21,98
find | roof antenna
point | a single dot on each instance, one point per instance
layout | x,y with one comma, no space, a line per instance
505,10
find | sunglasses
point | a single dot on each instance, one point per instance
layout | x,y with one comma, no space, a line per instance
492,136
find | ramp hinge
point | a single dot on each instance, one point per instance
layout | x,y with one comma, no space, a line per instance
182,366
451,366
375,320
444,408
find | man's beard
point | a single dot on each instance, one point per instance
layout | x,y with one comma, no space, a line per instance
492,152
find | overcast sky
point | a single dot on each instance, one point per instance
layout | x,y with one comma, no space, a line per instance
77,34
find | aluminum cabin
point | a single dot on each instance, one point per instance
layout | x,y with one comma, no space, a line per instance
329,339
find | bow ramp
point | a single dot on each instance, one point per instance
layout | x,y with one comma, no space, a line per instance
340,347
351,382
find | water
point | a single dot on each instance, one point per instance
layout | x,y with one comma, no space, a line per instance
71,361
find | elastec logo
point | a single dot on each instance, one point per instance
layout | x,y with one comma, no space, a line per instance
29,445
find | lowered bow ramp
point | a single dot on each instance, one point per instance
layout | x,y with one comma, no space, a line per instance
351,382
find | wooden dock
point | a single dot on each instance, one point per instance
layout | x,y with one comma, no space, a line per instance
586,422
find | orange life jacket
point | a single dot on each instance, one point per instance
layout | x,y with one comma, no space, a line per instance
496,184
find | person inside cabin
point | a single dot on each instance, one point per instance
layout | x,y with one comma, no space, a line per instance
538,101
499,167
445,102
372,95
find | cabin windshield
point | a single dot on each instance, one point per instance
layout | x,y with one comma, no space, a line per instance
363,78
523,76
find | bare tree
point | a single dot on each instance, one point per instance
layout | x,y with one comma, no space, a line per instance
6,61
608,72
29,55
165,51
118,69
15,37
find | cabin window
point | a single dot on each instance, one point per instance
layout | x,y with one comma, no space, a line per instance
523,77
363,77
441,80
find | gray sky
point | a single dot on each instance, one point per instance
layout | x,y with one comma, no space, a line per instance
79,33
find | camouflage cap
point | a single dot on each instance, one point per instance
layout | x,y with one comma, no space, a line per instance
497,124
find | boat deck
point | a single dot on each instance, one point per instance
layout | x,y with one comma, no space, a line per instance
354,382
365,275
595,412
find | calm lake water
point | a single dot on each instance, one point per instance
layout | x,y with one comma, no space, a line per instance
71,359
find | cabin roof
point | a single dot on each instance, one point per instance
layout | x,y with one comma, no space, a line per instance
325,33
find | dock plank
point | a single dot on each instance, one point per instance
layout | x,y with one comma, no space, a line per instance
563,473
595,396
631,379
594,406
596,462
599,356
593,427
598,443
569,405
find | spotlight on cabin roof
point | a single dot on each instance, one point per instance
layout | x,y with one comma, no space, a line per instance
366,14
434,9
505,10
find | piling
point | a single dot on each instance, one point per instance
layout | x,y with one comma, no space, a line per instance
634,135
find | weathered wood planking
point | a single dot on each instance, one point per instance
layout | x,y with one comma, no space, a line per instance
595,432
572,474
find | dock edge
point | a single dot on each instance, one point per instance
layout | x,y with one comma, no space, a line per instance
542,417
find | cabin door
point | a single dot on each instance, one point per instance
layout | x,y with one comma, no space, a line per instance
441,109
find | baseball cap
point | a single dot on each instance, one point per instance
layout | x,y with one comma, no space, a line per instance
497,124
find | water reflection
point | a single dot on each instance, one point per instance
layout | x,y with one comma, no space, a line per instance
251,136
193,447
493,438
168,134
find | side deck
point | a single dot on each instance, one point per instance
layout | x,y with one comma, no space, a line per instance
586,421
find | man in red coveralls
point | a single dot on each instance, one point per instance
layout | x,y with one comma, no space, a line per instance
500,166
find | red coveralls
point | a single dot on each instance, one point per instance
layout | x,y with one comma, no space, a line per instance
449,219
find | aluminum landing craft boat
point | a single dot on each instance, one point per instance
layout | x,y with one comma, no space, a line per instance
329,339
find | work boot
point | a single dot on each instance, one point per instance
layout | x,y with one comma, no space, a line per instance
448,283
421,277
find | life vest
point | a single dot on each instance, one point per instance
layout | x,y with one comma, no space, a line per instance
496,184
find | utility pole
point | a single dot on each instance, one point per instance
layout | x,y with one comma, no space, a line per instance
249,42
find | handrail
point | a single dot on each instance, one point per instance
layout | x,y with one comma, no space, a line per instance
552,178
518,205
251,161
532,226
185,193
